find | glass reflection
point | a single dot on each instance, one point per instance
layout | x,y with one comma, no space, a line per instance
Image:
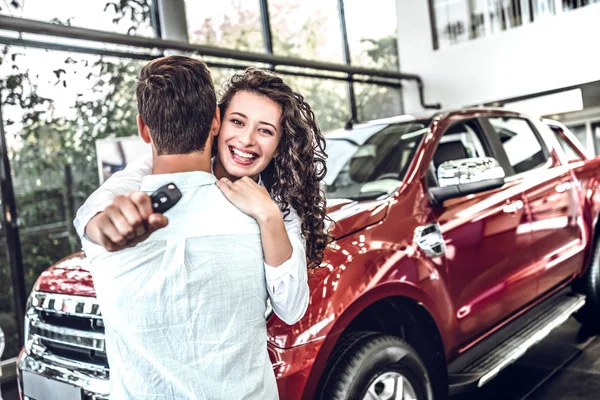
125,16
230,24
308,29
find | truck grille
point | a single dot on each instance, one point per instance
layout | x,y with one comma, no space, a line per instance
67,328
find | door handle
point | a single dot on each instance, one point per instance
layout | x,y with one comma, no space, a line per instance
512,208
429,238
563,187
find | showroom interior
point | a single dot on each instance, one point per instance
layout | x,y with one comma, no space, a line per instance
68,71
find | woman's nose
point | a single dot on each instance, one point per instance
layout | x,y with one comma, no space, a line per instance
247,137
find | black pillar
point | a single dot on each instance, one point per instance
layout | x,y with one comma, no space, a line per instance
266,28
11,229
346,51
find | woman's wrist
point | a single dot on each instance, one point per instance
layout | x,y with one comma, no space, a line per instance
268,214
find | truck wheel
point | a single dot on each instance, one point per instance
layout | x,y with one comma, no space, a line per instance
372,366
590,287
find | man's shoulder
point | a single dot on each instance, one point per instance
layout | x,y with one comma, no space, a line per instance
206,211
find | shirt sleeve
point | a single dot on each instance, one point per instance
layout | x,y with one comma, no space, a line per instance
91,250
287,284
119,183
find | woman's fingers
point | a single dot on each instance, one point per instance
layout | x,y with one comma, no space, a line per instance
226,186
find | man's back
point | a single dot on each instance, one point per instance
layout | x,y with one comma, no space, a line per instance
184,310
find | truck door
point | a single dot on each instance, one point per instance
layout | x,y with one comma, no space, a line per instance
552,199
487,243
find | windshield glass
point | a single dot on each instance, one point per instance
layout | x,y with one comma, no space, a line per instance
371,167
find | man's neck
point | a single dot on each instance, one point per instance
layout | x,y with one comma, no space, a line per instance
171,164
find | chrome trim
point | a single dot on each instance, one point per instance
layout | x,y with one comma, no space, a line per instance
468,170
523,175
513,207
68,336
95,386
8,369
537,337
98,370
41,333
75,306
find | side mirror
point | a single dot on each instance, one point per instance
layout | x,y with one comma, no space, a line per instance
466,176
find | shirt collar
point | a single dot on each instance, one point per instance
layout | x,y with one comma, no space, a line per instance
182,179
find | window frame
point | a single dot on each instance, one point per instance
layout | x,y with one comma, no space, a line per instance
566,137
476,125
502,155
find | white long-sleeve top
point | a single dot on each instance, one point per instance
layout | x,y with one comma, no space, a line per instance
287,284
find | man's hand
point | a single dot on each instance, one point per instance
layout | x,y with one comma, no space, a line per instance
128,221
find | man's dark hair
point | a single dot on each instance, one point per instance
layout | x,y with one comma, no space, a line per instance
177,101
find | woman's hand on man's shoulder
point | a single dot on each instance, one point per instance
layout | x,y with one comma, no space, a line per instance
250,198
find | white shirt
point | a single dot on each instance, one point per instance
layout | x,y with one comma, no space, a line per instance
287,284
184,311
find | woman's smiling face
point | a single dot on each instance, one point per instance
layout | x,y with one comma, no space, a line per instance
249,136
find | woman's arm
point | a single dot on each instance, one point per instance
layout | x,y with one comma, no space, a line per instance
121,182
287,283
283,247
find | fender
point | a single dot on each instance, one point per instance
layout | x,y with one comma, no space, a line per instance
439,313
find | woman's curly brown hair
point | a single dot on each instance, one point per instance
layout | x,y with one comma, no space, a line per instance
292,178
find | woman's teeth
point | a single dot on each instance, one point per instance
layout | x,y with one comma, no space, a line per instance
243,154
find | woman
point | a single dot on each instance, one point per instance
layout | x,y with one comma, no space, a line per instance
269,160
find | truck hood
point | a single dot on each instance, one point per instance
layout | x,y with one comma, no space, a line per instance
350,216
71,276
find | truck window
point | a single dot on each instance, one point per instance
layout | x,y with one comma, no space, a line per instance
460,141
570,151
378,165
522,146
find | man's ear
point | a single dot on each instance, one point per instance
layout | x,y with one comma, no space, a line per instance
216,123
143,130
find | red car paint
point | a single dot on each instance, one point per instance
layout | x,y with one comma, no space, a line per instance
498,264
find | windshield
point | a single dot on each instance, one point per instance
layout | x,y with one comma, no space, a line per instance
362,168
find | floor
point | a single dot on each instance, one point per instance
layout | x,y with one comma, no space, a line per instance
565,366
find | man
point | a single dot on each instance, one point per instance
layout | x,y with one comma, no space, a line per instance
184,309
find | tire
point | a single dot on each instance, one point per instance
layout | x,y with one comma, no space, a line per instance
590,287
372,363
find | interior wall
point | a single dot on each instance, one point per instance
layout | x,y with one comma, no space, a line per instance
555,52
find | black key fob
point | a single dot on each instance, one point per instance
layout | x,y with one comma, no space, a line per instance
165,197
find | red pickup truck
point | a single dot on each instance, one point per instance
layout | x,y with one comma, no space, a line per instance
461,239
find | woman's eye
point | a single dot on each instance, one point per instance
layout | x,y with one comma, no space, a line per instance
266,131
237,122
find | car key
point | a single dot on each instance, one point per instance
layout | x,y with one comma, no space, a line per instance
165,197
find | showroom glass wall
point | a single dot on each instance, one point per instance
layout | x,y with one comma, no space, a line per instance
56,104
456,21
